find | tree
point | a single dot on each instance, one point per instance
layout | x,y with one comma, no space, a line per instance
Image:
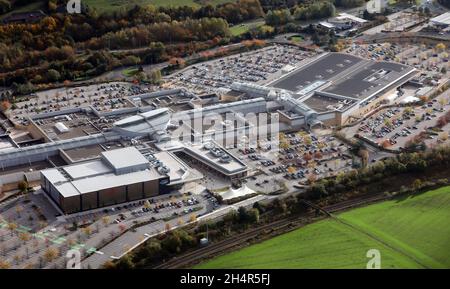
4,264
53,75
172,243
87,230
19,209
278,17
23,186
387,122
12,227
253,215
442,102
307,139
109,265
24,237
51,254
319,190
125,263
417,184
154,76
5,105
407,110
280,206
105,220
192,218
243,214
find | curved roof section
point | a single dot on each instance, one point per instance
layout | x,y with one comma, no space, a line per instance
144,123
282,96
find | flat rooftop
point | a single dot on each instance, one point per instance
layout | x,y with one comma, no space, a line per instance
443,19
125,158
77,125
175,102
369,79
232,167
325,67
177,169
102,173
344,76
84,153
199,152
323,103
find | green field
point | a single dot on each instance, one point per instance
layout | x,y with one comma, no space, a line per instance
413,232
114,5
130,71
239,29
296,39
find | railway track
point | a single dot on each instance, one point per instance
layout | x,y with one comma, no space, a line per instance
223,245
353,203
293,222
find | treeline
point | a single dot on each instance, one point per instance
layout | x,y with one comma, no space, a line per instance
315,10
178,241
319,9
67,43
92,63
282,4
417,162
167,32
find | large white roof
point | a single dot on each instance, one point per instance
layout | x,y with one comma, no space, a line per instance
351,17
87,169
443,19
102,182
103,173
124,158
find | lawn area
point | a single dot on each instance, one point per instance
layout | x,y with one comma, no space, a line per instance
416,229
131,71
417,225
296,39
242,28
113,5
